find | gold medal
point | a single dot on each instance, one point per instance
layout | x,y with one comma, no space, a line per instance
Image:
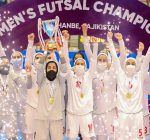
82,95
38,92
51,100
128,95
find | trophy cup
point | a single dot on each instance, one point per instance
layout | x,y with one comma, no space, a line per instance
51,28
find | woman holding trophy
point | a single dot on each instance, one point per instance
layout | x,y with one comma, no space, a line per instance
49,111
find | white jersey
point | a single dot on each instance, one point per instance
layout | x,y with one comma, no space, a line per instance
146,92
104,86
32,94
50,101
130,92
21,84
80,94
48,109
7,95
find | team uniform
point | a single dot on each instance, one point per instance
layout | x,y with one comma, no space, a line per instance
50,107
8,115
10,99
31,105
130,99
79,109
146,91
21,84
104,114
32,94
146,107
104,86
10,119
80,102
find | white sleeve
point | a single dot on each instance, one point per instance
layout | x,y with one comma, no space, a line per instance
2,51
139,60
93,60
122,53
115,58
145,64
40,71
63,67
30,53
95,50
87,48
65,52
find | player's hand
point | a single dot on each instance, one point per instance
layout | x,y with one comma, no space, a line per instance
118,36
31,37
141,47
110,35
84,29
65,34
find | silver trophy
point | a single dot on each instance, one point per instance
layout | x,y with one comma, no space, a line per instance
51,28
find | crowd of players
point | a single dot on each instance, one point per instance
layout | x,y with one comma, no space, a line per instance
49,99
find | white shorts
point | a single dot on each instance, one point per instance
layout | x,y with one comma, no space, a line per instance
30,122
44,127
8,125
131,126
76,123
104,123
147,125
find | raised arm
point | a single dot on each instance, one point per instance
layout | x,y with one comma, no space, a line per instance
30,49
29,76
145,64
65,50
2,51
40,69
93,59
87,47
139,57
63,62
123,54
111,46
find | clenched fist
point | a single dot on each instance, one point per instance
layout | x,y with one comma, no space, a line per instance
84,29
110,35
118,36
65,34
31,37
141,47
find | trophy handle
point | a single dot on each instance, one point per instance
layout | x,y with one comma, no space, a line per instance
56,27
61,36
40,33
58,33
